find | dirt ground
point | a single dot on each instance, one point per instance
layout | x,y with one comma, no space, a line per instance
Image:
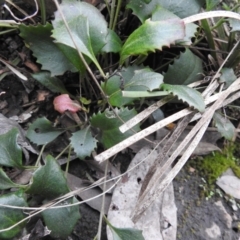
198,218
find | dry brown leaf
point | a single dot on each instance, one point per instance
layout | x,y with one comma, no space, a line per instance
76,183
161,213
41,95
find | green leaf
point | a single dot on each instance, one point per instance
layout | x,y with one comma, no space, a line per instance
61,221
142,9
125,233
182,9
85,101
186,94
112,88
144,80
161,14
109,125
134,78
38,39
234,24
77,26
98,31
87,25
52,83
83,142
73,57
48,180
190,30
5,181
9,217
151,36
10,152
42,132
185,70
228,77
224,126
114,84
114,43
211,4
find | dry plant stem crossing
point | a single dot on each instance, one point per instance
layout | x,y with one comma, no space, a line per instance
103,205
14,70
128,125
135,120
163,155
52,205
153,128
160,162
141,207
210,14
23,12
146,112
155,188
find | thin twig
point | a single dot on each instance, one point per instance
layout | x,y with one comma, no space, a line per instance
163,155
19,9
211,14
103,205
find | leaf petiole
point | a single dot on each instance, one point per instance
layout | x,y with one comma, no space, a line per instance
136,94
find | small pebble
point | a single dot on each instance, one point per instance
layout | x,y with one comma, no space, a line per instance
234,207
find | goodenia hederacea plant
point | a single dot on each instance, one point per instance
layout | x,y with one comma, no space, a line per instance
11,216
87,27
152,35
114,43
109,124
112,87
10,151
133,78
227,77
49,181
48,54
183,8
185,70
160,14
42,132
61,221
54,84
224,126
83,142
186,94
6,182
124,233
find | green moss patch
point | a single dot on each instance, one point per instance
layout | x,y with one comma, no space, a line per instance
213,165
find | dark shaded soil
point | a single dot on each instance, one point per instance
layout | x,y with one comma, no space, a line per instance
196,214
87,227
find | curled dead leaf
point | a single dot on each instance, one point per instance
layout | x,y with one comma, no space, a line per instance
63,103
